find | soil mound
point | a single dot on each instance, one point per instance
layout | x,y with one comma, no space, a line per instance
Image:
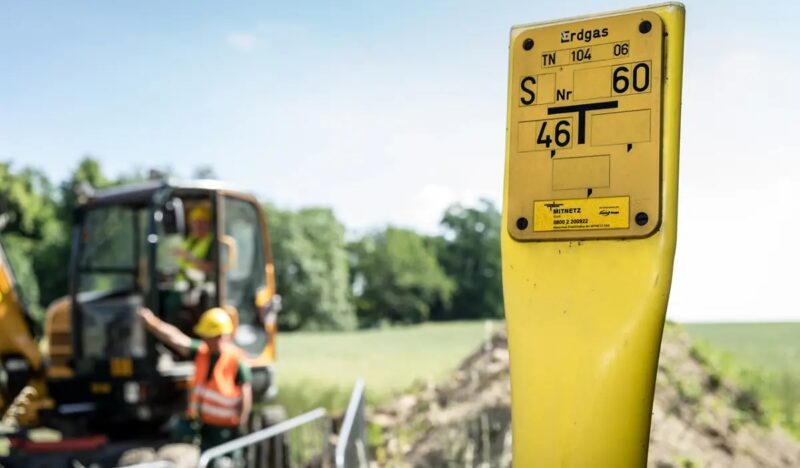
699,418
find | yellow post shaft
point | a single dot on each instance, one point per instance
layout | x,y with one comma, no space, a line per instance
585,320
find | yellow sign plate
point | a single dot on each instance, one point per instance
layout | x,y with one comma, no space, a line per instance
585,124
582,214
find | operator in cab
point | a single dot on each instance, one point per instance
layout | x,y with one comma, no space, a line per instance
194,254
220,395
194,259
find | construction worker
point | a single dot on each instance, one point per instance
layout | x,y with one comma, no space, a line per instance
194,254
194,258
220,396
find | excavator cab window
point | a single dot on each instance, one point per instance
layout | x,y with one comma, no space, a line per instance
242,258
108,258
108,284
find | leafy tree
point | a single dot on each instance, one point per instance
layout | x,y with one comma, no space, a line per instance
396,278
470,255
311,269
26,200
29,217
17,249
50,260
87,176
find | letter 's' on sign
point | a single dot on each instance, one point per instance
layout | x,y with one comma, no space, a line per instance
589,231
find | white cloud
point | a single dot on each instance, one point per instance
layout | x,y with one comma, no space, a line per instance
431,200
242,41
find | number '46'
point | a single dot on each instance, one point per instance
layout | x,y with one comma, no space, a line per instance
560,136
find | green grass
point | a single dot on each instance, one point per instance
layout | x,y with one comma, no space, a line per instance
319,369
773,346
762,357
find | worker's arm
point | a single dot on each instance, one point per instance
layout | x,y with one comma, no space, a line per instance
166,332
247,405
199,263
203,265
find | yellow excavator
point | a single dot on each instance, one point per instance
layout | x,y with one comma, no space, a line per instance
21,363
95,370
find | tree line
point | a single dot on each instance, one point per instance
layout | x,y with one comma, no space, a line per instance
329,279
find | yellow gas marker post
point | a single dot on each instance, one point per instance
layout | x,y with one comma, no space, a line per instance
590,217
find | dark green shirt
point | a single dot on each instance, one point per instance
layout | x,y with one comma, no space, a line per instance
243,376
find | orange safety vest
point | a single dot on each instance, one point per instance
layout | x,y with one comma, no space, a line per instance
216,400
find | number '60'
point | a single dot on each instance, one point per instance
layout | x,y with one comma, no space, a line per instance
624,78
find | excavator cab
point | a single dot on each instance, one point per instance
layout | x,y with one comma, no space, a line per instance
178,249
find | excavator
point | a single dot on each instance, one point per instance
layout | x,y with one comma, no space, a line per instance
95,374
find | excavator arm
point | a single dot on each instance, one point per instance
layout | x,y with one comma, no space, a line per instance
18,354
16,337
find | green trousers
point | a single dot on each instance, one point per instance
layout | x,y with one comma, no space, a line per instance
188,431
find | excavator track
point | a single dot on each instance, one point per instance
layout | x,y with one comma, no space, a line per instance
21,406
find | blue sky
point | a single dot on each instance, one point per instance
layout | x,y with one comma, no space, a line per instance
389,111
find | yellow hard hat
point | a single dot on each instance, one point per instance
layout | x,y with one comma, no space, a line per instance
213,323
200,212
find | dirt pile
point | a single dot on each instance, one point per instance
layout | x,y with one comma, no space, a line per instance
699,418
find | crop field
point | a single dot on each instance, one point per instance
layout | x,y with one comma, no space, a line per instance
321,368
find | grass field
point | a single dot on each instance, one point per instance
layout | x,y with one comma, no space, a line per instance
764,357
321,368
774,346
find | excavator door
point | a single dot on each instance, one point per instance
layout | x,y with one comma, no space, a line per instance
248,285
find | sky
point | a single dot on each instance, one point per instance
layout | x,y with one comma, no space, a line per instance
388,112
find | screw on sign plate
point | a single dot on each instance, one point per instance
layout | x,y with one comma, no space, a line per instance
527,44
